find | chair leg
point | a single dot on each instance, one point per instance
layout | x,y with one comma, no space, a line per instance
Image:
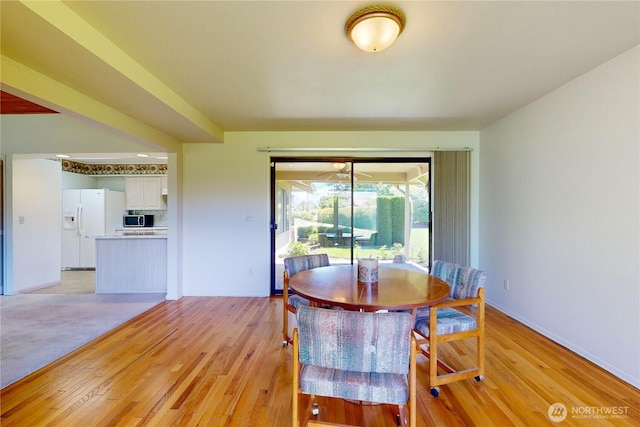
402,417
480,340
413,407
285,326
295,422
285,309
291,324
433,350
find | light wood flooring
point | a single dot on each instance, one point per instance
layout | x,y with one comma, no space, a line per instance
220,362
73,282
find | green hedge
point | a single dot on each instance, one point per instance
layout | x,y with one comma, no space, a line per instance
363,217
390,224
397,220
325,215
387,218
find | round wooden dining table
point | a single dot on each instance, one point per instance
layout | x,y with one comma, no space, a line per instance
397,288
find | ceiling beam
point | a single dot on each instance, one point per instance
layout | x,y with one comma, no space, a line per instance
36,87
71,24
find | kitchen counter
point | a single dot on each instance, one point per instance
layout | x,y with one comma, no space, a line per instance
136,231
131,264
159,228
133,236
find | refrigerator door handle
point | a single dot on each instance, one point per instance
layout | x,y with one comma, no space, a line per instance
76,219
79,222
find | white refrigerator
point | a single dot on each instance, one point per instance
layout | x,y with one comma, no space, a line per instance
86,214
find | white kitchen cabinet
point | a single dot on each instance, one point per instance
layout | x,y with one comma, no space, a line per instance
152,193
143,193
134,193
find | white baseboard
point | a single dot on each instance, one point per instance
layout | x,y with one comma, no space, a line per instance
38,287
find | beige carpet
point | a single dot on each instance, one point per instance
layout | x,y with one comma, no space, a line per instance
36,329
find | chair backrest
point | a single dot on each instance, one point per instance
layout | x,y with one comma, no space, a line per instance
373,238
296,264
471,279
448,271
355,341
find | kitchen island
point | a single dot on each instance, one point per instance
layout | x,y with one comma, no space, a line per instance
131,264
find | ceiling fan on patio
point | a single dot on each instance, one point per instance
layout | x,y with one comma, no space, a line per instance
342,173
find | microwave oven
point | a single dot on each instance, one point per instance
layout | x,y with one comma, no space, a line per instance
137,221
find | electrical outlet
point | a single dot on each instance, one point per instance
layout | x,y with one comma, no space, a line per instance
20,220
249,218
507,285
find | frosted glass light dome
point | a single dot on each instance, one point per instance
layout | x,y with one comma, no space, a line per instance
375,28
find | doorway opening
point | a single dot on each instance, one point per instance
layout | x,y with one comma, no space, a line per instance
349,209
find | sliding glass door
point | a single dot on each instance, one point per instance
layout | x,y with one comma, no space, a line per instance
348,209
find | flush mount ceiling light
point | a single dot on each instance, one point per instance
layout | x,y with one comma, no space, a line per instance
375,28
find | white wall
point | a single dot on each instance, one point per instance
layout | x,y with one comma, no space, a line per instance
559,215
115,183
224,254
37,241
74,181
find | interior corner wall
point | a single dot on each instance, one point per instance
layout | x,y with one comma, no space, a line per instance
559,215
37,235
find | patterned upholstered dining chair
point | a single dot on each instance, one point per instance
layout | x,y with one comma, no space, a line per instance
291,301
355,355
457,318
447,271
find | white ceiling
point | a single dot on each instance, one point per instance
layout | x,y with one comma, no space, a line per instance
287,65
